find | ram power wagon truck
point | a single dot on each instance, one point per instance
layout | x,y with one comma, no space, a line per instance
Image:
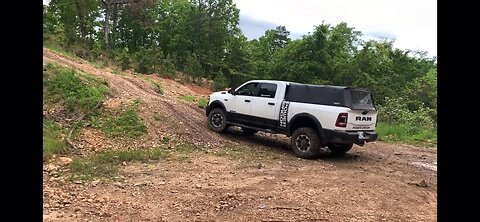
314,116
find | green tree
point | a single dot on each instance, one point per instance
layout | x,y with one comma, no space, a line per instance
422,91
220,82
193,67
265,49
68,18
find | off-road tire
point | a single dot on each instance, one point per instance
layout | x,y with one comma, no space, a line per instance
305,143
217,120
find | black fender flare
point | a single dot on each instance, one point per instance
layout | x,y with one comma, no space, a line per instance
213,104
317,123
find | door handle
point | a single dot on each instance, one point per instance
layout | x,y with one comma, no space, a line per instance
272,104
247,100
225,99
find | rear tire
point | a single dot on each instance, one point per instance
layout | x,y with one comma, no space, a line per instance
305,143
339,149
217,120
247,131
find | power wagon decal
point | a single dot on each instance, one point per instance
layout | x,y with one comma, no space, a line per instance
283,113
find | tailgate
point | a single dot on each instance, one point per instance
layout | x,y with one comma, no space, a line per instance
361,120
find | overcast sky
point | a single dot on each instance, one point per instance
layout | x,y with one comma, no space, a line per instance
411,23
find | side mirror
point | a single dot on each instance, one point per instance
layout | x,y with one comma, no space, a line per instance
231,91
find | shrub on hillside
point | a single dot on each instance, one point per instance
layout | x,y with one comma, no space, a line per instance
395,110
79,92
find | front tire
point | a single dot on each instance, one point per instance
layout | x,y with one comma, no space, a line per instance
217,120
305,143
339,149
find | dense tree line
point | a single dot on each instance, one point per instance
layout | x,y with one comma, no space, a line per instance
202,39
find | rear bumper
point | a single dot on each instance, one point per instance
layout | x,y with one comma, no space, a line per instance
332,136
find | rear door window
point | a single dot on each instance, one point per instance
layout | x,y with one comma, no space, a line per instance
267,90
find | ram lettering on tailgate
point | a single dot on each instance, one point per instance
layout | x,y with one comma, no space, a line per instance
363,118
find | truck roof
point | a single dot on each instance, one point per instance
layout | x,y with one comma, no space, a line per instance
301,84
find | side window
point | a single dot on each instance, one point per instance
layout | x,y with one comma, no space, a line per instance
267,90
248,90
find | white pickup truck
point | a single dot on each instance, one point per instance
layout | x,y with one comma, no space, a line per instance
314,116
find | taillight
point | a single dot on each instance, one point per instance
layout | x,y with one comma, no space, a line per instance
342,120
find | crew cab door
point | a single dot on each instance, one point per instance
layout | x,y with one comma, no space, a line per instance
265,106
242,101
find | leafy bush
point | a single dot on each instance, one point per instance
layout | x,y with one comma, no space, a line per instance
149,61
80,92
395,110
202,103
167,67
121,57
398,123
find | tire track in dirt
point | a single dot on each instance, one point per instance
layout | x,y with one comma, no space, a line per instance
198,126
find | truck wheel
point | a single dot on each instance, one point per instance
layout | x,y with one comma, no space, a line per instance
248,131
306,143
339,149
217,120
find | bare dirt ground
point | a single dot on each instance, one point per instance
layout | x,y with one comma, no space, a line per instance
376,182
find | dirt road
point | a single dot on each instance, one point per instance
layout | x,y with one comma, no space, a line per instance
235,177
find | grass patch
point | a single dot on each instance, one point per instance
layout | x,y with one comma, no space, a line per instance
202,103
99,64
183,151
185,147
188,98
406,134
96,82
185,159
166,139
117,72
124,123
53,142
156,117
79,91
106,163
232,153
157,87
